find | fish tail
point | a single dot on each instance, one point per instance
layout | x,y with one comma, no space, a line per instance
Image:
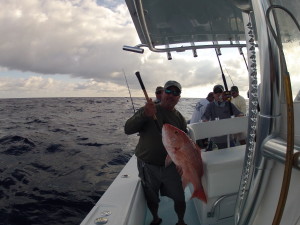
200,194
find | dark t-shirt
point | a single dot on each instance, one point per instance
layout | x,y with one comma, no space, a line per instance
222,111
150,148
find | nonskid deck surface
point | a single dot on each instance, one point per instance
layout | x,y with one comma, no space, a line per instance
168,215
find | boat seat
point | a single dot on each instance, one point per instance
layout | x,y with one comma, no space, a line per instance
225,163
218,127
221,179
222,168
222,171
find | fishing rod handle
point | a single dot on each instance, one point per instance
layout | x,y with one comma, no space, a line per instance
142,85
138,75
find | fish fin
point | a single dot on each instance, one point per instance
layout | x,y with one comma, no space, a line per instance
200,194
168,161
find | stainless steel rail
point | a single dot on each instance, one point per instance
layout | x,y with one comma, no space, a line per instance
268,124
218,202
275,148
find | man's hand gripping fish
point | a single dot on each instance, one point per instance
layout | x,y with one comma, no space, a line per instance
187,156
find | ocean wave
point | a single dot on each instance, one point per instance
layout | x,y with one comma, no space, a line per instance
59,155
16,145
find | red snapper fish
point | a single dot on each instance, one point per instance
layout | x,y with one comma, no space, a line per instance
187,156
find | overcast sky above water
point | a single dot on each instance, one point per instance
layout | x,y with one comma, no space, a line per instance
73,48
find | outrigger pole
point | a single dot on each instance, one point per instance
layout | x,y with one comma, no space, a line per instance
129,91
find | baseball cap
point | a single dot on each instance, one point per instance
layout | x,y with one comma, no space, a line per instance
210,95
159,88
171,83
218,88
234,88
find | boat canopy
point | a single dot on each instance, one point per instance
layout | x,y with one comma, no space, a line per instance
177,25
187,23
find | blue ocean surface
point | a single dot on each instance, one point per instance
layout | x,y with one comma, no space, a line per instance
59,155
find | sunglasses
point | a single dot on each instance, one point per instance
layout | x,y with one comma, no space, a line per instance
174,92
158,92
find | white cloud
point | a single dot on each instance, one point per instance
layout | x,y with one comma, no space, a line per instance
83,40
39,86
66,37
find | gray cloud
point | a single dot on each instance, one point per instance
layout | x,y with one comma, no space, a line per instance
58,37
83,39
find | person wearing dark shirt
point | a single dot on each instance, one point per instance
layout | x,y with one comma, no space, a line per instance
151,153
158,93
220,109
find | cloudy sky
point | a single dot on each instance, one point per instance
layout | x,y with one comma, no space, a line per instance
73,48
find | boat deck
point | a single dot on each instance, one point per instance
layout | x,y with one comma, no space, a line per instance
168,215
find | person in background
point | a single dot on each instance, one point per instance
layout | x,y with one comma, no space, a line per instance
151,153
197,114
158,93
226,96
219,109
200,108
240,102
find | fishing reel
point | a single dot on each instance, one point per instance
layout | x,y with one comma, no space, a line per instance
226,96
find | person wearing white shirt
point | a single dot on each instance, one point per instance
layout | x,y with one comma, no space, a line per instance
200,108
240,102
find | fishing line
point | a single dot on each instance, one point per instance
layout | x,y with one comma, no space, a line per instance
129,91
229,76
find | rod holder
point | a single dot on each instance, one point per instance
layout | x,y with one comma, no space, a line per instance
136,49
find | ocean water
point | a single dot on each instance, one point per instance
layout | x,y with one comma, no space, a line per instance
59,155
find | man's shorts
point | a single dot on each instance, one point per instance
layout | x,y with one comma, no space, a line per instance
160,178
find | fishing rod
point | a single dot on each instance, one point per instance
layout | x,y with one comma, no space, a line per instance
225,83
241,53
129,91
223,76
147,98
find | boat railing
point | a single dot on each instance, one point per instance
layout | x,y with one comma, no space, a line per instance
217,128
276,149
217,203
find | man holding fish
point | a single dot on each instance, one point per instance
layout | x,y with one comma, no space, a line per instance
157,176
